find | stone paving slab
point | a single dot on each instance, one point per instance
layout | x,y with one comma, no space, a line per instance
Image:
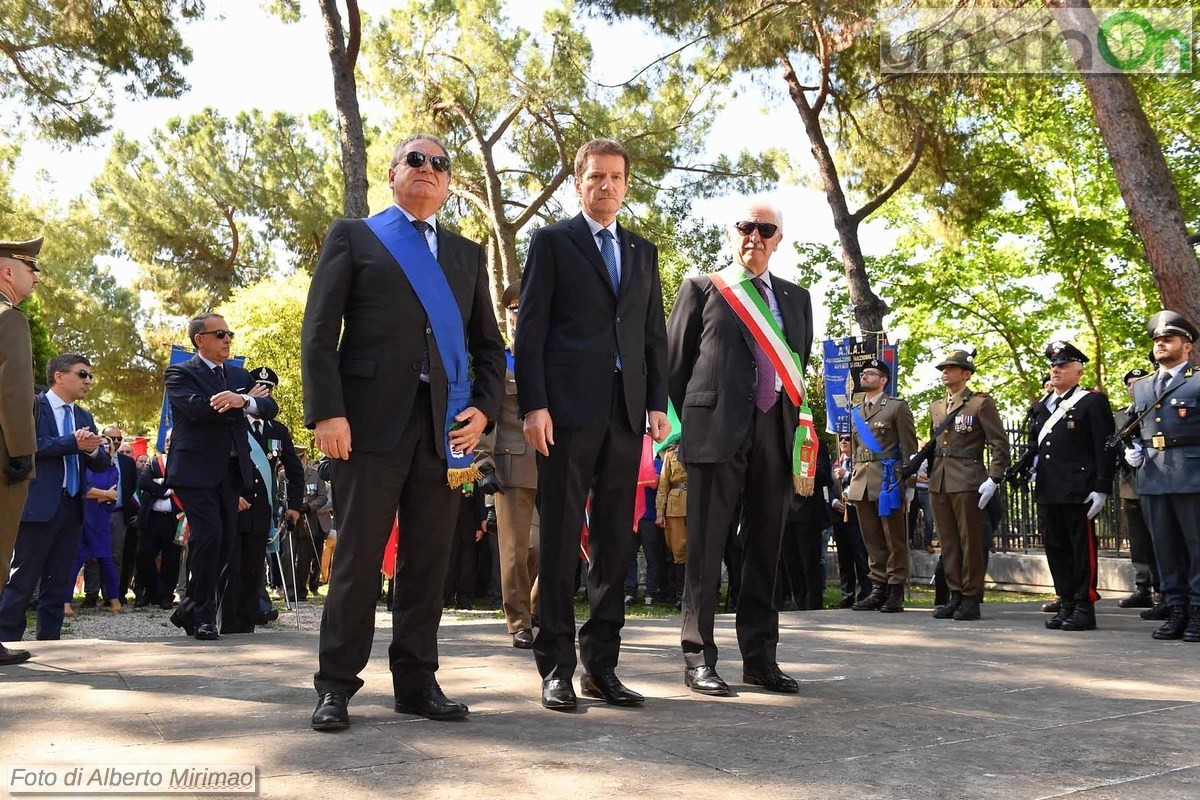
889,706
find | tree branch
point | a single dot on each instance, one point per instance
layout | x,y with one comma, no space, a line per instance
899,180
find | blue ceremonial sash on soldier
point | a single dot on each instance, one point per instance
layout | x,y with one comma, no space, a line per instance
891,496
411,252
263,465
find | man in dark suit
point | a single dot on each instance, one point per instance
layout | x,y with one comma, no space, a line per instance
123,518
18,439
738,432
52,523
396,414
590,363
158,519
210,464
1074,470
245,569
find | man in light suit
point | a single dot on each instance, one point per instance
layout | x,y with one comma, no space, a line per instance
68,442
1165,454
210,465
738,432
18,439
397,307
590,366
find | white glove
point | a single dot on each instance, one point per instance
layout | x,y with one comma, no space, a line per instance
909,494
1134,456
986,490
1097,500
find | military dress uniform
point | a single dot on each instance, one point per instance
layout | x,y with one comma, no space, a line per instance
1141,549
671,506
1168,477
891,423
958,471
1074,470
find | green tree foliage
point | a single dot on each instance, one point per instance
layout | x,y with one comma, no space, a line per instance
267,316
43,348
514,104
62,61
210,204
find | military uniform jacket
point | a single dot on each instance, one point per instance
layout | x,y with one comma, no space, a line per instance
958,463
1175,469
17,434
671,500
515,460
891,422
1125,473
1072,459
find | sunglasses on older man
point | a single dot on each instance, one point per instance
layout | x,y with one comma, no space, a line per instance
219,333
765,229
416,159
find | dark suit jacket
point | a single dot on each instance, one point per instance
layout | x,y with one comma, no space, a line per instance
371,376
201,438
150,490
45,491
713,374
1072,459
129,481
572,326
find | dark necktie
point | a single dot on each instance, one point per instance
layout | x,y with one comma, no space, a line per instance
219,371
764,392
258,430
609,255
423,228
1160,384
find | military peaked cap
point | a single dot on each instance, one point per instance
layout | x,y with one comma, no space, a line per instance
265,375
23,251
1059,352
1169,323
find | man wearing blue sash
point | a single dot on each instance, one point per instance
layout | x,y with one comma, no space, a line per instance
403,370
884,435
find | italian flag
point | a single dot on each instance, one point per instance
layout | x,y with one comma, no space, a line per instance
734,285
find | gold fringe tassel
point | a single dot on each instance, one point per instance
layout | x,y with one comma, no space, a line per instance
457,477
804,486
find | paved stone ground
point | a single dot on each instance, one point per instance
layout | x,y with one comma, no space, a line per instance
890,706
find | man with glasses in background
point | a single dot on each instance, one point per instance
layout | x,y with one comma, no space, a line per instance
210,465
52,523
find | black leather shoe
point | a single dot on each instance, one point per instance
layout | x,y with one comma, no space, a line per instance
182,617
10,656
558,694
331,713
608,686
1192,633
968,610
894,601
1064,612
141,602
874,600
90,601
947,611
523,639
207,632
771,678
1053,607
847,601
705,680
1083,618
1139,599
432,703
1157,613
1175,625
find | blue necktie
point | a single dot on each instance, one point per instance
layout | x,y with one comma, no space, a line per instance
610,260
71,462
423,228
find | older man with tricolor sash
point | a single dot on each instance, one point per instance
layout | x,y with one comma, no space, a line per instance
738,341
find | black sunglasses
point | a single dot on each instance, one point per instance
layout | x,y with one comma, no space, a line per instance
416,159
765,229
83,373
220,334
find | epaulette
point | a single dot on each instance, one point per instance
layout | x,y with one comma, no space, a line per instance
1144,377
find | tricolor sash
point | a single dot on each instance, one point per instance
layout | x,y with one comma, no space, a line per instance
890,495
411,252
734,285
263,465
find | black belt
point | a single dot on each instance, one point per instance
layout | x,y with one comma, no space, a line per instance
957,452
1161,442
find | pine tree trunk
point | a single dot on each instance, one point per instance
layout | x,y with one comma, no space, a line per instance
345,92
1141,172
